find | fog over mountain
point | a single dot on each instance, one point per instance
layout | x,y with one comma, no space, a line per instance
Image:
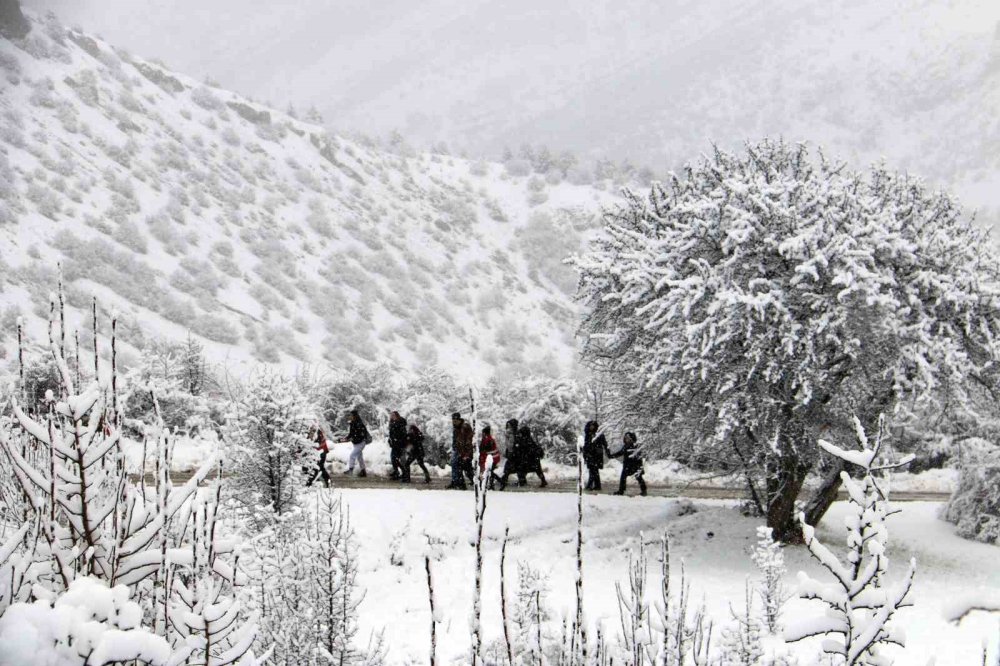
915,81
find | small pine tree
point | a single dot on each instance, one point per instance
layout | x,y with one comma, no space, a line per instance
741,643
770,561
857,621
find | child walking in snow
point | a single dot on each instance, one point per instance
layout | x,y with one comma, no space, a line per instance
321,445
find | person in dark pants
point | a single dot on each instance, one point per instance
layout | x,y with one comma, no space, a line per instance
397,443
594,445
323,448
512,457
532,457
631,455
525,458
414,454
461,452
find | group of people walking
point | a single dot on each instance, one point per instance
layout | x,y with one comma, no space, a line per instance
522,453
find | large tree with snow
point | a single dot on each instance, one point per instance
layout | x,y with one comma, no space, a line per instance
759,299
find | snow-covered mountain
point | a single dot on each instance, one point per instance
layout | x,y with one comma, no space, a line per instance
654,81
190,209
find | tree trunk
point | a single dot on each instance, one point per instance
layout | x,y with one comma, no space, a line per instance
13,25
785,477
825,495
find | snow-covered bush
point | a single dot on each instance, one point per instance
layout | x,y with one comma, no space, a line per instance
858,620
808,273
266,435
305,589
770,561
740,643
975,505
88,624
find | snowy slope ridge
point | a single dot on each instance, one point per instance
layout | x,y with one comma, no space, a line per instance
191,210
655,81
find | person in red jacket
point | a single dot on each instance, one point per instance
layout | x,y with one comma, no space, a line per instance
321,445
488,449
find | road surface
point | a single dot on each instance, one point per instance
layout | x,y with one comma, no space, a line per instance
342,481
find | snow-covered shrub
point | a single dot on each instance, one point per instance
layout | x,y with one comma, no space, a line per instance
770,561
215,327
266,433
741,642
546,242
975,505
46,201
89,623
860,607
206,99
127,233
305,588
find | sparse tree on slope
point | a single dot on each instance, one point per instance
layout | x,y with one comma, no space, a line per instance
761,298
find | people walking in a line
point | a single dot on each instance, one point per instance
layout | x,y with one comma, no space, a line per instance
594,445
631,455
321,445
359,436
461,452
397,443
414,453
489,456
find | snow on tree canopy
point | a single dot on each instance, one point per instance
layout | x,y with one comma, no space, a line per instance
764,297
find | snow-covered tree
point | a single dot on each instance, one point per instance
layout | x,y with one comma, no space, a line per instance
761,298
84,517
975,505
860,606
552,408
266,433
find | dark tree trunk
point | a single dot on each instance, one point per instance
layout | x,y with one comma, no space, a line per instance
825,495
784,483
13,25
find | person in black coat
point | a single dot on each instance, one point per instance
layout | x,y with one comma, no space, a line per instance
594,445
631,455
359,437
397,443
414,453
526,457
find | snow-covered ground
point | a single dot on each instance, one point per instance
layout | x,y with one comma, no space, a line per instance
713,542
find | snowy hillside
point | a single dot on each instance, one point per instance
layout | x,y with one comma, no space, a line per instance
916,81
191,209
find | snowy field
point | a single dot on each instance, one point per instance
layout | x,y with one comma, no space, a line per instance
713,542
